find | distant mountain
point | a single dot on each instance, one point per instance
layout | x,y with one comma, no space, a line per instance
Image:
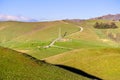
16,18
115,17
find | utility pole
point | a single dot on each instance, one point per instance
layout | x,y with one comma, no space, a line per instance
59,34
57,39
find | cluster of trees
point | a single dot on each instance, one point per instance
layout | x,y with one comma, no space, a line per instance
105,25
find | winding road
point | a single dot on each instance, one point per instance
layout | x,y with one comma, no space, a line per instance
53,42
81,28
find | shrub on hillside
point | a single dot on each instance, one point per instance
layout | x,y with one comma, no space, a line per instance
105,25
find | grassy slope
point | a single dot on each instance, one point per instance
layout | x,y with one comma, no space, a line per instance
91,33
88,43
20,31
95,52
13,30
26,37
51,33
103,63
15,65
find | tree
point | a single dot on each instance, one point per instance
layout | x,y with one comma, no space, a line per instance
113,25
105,25
96,25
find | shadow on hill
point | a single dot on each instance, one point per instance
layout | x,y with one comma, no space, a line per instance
71,69
79,72
34,59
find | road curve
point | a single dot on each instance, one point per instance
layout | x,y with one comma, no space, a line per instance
81,28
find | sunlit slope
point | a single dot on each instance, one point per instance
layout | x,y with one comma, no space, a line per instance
103,63
18,66
21,31
90,50
52,32
87,33
12,30
92,34
47,31
32,37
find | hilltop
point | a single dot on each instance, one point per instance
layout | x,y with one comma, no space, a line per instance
115,17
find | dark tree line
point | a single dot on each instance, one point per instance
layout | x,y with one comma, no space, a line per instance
105,25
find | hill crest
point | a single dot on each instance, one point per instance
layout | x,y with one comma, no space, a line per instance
115,17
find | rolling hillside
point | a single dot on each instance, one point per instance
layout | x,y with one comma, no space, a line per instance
30,37
19,66
103,63
95,51
27,37
33,31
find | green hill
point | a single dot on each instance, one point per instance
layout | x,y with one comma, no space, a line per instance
103,63
21,31
27,37
19,66
89,50
30,37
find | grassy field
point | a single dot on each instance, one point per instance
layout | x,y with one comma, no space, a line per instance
18,66
35,48
20,31
103,63
90,50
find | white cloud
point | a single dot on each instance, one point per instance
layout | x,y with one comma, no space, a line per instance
16,18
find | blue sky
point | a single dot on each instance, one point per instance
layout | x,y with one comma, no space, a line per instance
59,9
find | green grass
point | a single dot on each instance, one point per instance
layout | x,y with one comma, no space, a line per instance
76,44
16,66
31,37
14,30
21,31
50,33
103,62
90,50
35,48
